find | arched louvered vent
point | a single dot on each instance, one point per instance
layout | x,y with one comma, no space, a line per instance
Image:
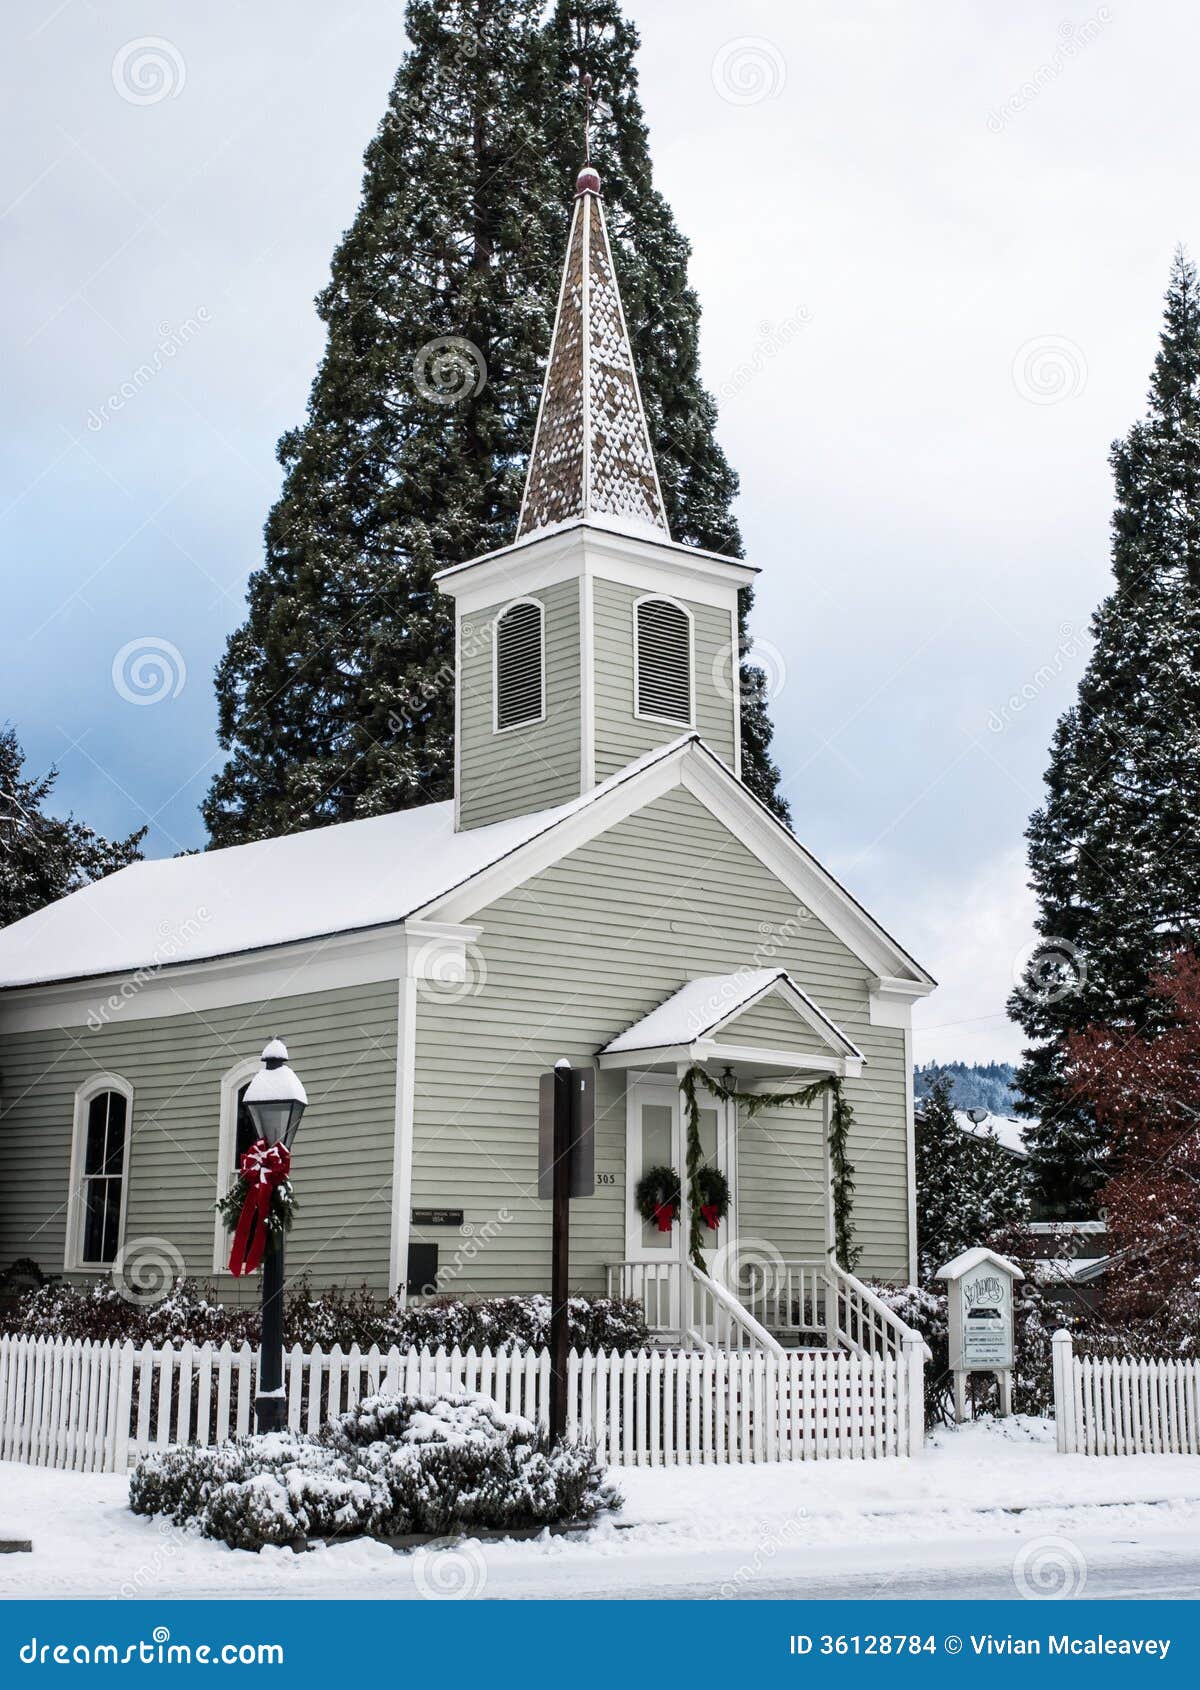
519,679
664,661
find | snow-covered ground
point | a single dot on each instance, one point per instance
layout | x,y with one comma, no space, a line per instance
989,1509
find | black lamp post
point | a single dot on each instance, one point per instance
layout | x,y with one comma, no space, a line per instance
275,1101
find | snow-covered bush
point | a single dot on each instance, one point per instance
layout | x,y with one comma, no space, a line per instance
99,1310
336,1316
594,1323
392,1466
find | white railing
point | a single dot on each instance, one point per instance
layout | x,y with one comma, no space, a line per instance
95,1406
715,1319
818,1298
688,1308
1124,1405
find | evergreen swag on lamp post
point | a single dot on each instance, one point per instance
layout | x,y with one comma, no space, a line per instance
259,1208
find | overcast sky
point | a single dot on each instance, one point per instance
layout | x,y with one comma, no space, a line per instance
930,244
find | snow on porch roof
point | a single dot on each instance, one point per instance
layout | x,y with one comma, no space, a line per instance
700,1008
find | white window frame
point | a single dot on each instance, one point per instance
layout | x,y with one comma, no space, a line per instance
644,715
231,1083
73,1258
530,721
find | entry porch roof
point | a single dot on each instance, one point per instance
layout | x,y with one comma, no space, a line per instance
699,1023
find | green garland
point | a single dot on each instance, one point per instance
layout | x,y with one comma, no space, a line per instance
841,1119
279,1215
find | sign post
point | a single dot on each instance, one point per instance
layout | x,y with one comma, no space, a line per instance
979,1288
566,1169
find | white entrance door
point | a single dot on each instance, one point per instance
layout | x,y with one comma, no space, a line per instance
657,1137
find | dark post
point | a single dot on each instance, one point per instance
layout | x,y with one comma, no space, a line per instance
564,1093
269,1404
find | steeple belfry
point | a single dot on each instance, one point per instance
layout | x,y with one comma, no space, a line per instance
591,449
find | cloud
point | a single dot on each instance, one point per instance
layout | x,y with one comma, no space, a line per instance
969,936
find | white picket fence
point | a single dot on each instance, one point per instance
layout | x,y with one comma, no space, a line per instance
95,1407
1124,1405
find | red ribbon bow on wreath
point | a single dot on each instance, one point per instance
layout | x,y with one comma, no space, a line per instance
712,1215
264,1166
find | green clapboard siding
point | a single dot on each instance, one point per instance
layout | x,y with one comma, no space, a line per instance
620,734
772,1025
572,958
343,1044
529,768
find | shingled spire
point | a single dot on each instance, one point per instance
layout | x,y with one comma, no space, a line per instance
591,449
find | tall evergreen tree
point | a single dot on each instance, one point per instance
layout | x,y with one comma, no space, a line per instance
335,696
1114,851
44,857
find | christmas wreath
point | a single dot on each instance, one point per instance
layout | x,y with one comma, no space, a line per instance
657,1196
712,1194
259,1203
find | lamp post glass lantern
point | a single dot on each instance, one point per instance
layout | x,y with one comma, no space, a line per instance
275,1100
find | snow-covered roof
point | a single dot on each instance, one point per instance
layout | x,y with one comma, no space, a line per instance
702,1006
338,879
976,1258
1077,1270
1006,1131
379,872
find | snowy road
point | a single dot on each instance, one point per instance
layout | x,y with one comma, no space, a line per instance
987,1511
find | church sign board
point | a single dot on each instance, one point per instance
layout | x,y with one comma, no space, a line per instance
979,1286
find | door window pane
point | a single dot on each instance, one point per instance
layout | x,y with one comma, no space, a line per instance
657,1151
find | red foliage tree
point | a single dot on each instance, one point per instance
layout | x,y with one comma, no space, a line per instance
1145,1088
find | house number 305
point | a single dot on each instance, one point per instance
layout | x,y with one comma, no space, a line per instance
606,1179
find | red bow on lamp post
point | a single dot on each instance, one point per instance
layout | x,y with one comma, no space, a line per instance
264,1166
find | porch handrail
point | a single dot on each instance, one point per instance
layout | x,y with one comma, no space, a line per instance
690,1308
817,1295
886,1324
738,1322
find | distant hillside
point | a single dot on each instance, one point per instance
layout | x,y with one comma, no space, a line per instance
974,1085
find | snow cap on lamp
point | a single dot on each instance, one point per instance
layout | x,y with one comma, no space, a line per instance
275,1097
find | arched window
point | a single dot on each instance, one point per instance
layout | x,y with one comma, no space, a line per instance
519,665
99,1171
237,1135
662,655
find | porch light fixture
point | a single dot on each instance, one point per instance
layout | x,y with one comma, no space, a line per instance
275,1099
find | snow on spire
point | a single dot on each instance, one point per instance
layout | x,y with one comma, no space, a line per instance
591,448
